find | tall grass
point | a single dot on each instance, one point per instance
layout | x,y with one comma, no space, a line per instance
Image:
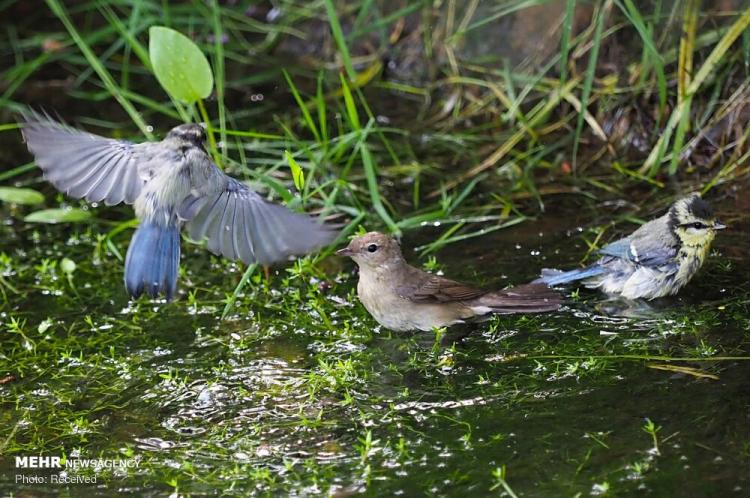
402,116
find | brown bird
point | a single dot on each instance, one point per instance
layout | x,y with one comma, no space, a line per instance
401,297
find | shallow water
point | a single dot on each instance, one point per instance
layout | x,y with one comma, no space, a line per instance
300,393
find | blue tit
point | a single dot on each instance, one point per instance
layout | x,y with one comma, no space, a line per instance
656,260
171,184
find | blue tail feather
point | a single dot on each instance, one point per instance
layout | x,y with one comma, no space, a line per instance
557,277
153,261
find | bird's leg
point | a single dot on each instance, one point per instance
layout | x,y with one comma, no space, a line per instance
267,272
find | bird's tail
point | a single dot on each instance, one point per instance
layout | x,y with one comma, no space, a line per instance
556,277
527,298
153,261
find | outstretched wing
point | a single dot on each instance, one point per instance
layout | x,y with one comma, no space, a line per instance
422,287
83,165
239,224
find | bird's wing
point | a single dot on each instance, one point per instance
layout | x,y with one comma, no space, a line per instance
644,250
619,249
239,224
422,287
83,165
525,298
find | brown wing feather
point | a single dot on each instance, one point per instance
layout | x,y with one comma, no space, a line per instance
444,290
422,287
524,298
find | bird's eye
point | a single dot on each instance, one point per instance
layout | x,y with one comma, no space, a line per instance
372,248
698,225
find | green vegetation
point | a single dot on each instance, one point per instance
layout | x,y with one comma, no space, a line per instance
468,127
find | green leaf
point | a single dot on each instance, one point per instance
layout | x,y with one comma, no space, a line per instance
298,175
179,65
70,215
20,195
351,108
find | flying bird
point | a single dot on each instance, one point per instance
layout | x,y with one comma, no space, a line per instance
172,184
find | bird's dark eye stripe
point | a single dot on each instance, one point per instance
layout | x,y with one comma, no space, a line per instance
372,247
697,225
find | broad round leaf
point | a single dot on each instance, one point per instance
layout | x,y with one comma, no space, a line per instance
179,65
71,215
20,195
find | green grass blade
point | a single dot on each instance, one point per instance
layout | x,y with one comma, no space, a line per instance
679,137
709,66
351,108
135,45
372,185
717,54
301,104
338,35
109,82
237,290
18,170
656,60
687,47
364,10
590,73
567,26
320,104
219,73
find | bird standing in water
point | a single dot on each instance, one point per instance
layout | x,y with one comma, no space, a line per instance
401,297
656,260
172,183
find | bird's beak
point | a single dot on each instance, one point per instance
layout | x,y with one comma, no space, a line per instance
344,252
719,225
